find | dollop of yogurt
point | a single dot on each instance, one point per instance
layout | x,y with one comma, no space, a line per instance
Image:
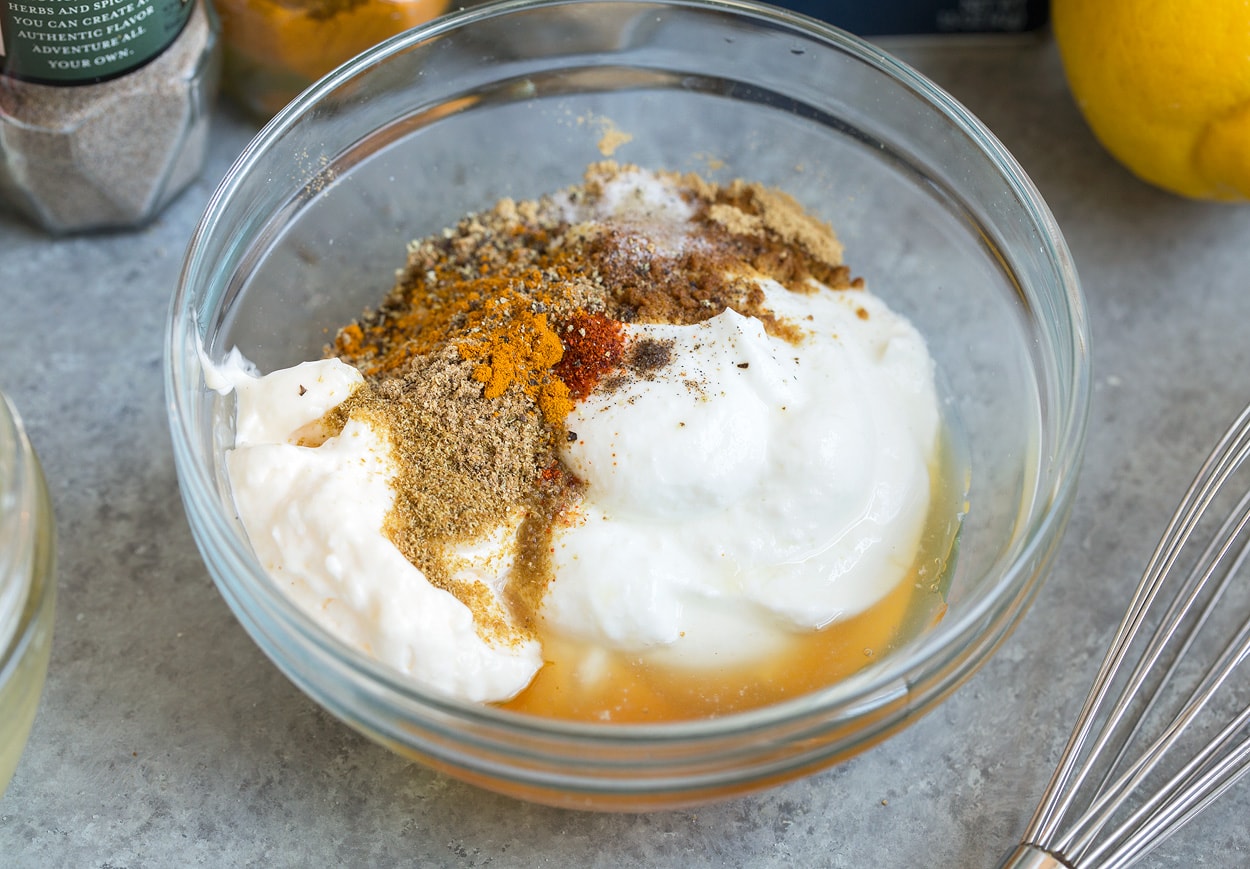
315,514
751,483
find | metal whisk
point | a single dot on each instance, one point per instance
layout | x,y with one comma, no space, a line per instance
1164,730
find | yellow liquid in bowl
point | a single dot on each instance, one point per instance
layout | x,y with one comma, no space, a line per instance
624,688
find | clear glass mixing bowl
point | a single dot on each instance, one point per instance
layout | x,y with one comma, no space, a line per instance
514,99
27,587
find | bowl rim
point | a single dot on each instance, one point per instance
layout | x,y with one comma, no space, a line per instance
27,547
937,651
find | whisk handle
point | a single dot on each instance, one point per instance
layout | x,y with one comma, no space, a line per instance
1032,857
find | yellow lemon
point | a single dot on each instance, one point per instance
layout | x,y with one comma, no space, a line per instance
1165,86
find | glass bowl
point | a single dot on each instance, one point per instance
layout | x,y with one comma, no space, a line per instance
515,99
27,587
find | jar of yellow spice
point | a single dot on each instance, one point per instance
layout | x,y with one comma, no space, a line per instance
276,48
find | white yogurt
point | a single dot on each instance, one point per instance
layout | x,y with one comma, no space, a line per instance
752,483
315,515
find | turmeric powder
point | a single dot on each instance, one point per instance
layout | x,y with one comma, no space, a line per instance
273,49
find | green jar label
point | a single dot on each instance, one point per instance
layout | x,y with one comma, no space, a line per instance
66,42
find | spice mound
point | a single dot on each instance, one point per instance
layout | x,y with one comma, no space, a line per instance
638,450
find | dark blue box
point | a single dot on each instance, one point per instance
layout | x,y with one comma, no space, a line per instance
911,17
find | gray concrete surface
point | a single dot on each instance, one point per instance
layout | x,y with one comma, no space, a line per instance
165,738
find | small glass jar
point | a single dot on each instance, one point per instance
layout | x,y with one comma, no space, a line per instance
27,587
103,124
276,48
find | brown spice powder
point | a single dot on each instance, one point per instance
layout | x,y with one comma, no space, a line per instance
498,326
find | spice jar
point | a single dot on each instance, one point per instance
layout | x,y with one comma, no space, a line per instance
27,590
276,48
104,107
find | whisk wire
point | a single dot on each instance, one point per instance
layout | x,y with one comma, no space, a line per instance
1174,792
1215,768
1174,616
1138,835
1099,812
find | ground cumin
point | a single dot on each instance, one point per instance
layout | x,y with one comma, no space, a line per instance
498,326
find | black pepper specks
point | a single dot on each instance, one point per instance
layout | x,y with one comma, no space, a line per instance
648,355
